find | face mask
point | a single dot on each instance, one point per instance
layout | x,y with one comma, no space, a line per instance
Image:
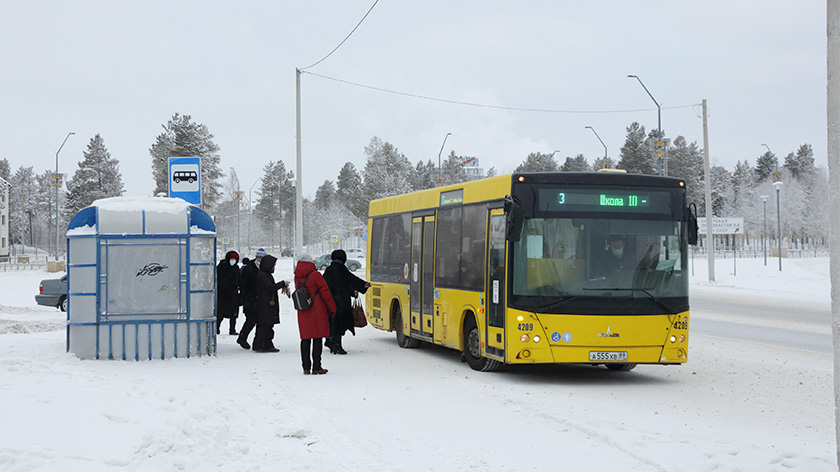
233,262
618,252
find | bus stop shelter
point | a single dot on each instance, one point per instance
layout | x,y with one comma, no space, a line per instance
141,280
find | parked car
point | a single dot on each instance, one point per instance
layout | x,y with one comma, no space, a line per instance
53,292
355,253
287,252
324,261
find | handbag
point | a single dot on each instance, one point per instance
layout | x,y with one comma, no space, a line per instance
359,318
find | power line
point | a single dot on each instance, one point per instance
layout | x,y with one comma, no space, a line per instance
345,39
498,107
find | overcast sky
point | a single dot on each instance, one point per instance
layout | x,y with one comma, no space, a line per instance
123,69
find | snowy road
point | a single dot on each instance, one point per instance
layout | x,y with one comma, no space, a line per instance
774,322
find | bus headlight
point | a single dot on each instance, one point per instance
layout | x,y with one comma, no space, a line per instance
520,318
682,338
524,338
536,339
673,339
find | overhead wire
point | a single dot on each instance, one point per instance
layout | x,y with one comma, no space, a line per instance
498,107
345,39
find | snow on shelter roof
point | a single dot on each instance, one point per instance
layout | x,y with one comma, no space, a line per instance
141,215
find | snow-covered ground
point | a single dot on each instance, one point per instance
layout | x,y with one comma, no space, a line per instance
734,406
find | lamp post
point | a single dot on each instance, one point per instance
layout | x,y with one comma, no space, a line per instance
658,119
250,210
605,162
440,175
237,197
764,233
57,178
778,185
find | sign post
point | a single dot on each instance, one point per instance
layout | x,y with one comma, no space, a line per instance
733,226
185,179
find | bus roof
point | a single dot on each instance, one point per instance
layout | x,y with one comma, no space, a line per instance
495,188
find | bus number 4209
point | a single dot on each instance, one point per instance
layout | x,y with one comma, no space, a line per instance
526,326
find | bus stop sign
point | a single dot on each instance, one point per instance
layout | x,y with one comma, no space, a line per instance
185,179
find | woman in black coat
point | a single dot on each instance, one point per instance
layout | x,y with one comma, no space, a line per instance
343,286
227,291
268,305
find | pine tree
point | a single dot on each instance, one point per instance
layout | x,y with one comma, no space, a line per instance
182,137
5,170
452,170
576,164
637,152
800,164
325,195
765,165
387,171
685,161
21,204
275,202
98,176
424,175
538,162
349,191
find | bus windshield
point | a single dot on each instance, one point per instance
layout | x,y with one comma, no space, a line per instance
610,263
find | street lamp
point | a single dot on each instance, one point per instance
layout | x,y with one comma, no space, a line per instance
237,197
778,185
605,162
764,233
57,178
440,175
250,210
658,119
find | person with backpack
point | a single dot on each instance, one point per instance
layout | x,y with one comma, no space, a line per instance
268,305
343,287
315,307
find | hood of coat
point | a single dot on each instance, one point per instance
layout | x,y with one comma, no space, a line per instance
303,269
267,263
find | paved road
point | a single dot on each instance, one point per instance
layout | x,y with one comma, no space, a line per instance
775,322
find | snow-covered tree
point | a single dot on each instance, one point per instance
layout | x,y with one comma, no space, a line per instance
800,164
765,165
452,170
21,204
538,162
5,170
637,151
275,202
349,191
424,175
325,195
98,176
387,171
183,137
685,161
576,164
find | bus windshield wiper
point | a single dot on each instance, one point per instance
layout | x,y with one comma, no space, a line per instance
650,295
552,306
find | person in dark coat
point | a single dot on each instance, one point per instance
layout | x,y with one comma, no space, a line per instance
343,287
313,322
227,291
248,295
268,305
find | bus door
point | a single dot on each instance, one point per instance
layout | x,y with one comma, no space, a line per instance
422,276
495,291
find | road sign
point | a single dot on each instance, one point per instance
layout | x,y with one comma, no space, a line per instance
334,238
185,179
722,225
226,240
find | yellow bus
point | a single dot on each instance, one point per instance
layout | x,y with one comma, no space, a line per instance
529,268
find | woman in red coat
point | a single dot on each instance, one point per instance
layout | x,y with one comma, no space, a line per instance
314,322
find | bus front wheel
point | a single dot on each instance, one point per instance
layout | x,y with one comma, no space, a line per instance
620,367
472,348
402,340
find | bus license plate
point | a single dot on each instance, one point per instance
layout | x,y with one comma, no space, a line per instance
607,356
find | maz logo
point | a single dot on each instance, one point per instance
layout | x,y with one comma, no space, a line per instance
608,334
151,269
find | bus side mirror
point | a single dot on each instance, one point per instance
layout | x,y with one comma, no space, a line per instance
692,224
515,219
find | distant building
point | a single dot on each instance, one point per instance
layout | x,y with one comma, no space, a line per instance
471,167
5,245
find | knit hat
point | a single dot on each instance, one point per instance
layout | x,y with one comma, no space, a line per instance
260,253
306,258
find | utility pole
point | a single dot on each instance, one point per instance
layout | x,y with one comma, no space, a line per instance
833,95
298,176
710,238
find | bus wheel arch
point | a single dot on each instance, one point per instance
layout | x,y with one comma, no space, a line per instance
403,340
471,345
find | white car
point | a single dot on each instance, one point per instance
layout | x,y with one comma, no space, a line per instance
358,254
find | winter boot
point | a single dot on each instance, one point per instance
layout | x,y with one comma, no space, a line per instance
336,346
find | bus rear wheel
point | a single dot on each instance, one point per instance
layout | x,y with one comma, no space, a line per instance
403,341
472,348
620,367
